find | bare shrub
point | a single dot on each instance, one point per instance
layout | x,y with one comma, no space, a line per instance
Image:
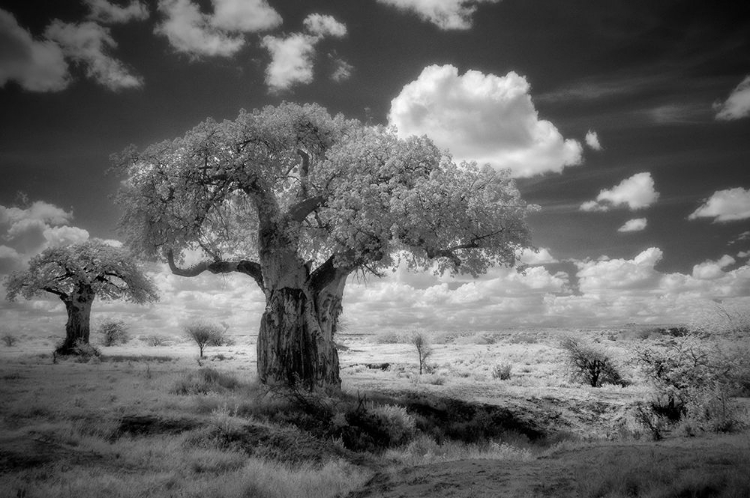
389,337
154,340
424,351
204,334
590,364
113,332
502,371
9,339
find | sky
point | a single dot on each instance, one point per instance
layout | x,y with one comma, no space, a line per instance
627,122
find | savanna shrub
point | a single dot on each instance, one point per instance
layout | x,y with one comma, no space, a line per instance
376,428
153,340
9,339
113,332
204,381
399,425
693,380
590,365
205,334
502,371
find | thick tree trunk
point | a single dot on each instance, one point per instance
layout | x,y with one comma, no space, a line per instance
295,343
79,318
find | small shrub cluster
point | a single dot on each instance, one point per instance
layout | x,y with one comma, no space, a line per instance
204,381
502,371
113,332
9,339
154,340
206,334
590,364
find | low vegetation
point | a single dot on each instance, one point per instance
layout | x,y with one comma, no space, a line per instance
206,334
113,333
133,424
590,364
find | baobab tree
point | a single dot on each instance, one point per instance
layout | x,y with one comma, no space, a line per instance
78,274
299,200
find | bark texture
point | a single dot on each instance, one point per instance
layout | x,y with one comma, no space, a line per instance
295,342
78,326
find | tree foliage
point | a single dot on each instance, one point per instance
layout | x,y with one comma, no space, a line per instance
110,272
342,192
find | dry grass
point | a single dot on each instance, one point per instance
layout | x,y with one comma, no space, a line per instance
63,422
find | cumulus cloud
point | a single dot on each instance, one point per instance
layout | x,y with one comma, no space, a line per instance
634,225
292,56
539,257
64,235
737,105
710,270
38,210
636,192
600,277
87,44
483,118
592,140
220,34
342,70
725,205
609,291
321,25
10,260
108,13
248,16
291,61
36,65
445,14
29,230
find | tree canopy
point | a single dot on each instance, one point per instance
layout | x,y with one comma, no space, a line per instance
109,271
342,193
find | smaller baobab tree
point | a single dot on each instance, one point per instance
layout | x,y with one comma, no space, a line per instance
77,274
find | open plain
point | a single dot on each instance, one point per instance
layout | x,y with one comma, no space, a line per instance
493,414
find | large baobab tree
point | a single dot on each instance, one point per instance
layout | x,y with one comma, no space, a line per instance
77,274
299,200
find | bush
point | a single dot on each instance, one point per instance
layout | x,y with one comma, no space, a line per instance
502,371
693,380
113,332
591,365
205,334
9,339
154,340
204,381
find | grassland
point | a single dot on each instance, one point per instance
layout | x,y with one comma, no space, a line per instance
150,419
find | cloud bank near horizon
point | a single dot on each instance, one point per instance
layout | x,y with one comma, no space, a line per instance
550,292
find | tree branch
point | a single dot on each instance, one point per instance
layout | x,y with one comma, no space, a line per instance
298,212
52,290
243,266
